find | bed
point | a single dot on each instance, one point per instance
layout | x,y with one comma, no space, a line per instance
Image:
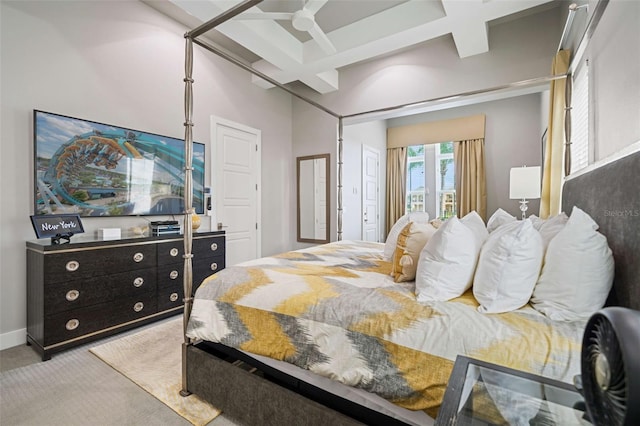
323,336
333,311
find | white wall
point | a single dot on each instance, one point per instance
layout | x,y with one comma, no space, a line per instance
119,63
373,134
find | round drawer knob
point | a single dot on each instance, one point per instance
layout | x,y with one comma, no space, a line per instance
138,282
174,252
72,295
138,257
72,324
214,247
173,297
173,275
138,306
214,266
72,265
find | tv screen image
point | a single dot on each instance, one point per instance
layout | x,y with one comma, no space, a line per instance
94,169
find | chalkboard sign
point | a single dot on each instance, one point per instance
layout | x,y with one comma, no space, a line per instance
58,227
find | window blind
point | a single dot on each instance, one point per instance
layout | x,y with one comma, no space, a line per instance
580,119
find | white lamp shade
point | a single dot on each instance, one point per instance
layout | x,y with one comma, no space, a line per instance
524,182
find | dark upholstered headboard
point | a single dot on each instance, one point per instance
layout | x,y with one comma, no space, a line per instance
611,195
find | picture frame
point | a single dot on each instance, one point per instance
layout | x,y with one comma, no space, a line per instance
57,227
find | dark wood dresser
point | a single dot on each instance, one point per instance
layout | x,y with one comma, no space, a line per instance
90,288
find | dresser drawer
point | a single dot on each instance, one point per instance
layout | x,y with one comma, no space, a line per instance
206,267
208,247
69,266
64,296
172,251
81,321
170,274
172,296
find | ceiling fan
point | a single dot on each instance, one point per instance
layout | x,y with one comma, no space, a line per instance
302,20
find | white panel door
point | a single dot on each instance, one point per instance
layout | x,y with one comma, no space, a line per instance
370,193
236,175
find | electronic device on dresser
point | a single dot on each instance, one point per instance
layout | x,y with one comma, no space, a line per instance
90,288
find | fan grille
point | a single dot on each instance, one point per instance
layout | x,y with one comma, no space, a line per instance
605,384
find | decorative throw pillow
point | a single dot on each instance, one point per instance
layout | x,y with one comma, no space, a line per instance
392,238
578,271
447,262
508,268
411,241
499,218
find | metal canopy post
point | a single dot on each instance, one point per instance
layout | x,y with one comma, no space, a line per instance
188,169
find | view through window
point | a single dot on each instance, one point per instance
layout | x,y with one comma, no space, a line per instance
431,185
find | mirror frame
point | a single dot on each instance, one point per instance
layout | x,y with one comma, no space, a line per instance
327,158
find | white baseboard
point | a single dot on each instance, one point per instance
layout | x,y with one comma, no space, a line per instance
13,338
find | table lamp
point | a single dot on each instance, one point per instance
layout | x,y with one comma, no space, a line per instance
524,183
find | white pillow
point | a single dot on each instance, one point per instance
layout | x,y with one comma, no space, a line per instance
497,219
508,268
578,271
549,228
536,221
392,238
474,222
447,262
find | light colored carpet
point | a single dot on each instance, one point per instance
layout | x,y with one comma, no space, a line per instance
151,358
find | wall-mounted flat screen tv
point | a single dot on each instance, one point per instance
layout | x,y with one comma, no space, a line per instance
94,169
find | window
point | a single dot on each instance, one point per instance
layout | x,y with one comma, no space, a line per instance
431,180
416,182
580,118
445,181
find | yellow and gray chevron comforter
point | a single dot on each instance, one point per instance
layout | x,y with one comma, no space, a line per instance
334,310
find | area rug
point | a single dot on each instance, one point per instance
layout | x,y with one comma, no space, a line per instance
151,358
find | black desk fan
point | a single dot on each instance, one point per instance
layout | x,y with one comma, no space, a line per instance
611,367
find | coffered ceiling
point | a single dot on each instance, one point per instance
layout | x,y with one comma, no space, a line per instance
310,41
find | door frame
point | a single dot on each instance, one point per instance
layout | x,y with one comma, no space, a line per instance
364,149
217,121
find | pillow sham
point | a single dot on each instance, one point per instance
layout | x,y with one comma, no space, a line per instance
392,238
497,219
508,268
411,241
549,228
578,271
474,222
447,263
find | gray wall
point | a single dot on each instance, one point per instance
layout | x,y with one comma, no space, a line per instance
614,74
512,139
120,63
519,51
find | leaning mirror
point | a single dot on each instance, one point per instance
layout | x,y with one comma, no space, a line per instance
313,201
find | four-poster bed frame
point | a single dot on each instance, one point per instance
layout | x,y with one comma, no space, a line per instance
191,37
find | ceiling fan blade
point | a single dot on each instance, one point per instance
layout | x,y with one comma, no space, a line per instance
321,38
265,15
314,5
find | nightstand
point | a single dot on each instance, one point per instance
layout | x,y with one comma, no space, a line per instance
481,393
